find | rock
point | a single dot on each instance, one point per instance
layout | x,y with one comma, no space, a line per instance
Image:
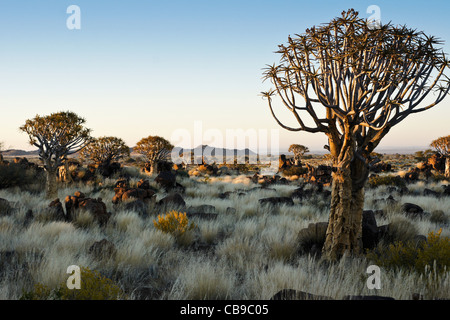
312,238
143,184
276,201
205,208
291,294
202,215
429,192
412,210
446,190
437,162
5,207
96,207
166,180
103,249
138,206
366,298
29,216
173,199
369,230
57,211
230,210
79,194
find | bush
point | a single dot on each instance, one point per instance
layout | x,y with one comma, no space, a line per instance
294,171
94,286
435,253
15,175
386,180
174,222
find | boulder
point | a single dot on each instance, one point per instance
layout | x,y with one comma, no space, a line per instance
57,211
5,207
94,206
348,297
412,210
168,181
173,199
369,230
312,238
291,294
274,201
432,193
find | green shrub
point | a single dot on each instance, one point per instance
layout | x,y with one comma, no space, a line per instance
94,286
386,180
434,253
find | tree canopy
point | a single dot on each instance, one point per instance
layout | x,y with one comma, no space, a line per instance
105,150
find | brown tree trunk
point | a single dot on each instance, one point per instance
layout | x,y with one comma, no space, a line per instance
447,167
51,183
344,233
153,167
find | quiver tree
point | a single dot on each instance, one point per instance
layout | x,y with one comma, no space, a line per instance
298,150
354,83
154,149
105,150
56,136
442,146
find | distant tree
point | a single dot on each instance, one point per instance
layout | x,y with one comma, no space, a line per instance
353,83
298,150
154,148
57,136
105,150
442,146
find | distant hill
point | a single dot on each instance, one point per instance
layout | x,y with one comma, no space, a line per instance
19,153
213,151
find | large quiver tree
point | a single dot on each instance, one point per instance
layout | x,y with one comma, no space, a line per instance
353,83
56,136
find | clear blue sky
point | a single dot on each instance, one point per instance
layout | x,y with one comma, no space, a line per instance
138,68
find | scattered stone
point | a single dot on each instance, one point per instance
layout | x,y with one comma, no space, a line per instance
412,210
367,298
57,211
274,201
291,294
369,230
173,199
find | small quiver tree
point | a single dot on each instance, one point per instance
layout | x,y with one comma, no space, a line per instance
56,136
298,150
154,149
442,146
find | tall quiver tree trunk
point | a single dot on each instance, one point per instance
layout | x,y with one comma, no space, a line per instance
51,188
447,167
344,233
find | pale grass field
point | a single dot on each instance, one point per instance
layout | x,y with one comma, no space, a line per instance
252,252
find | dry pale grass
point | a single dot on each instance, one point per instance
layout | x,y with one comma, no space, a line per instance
252,251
